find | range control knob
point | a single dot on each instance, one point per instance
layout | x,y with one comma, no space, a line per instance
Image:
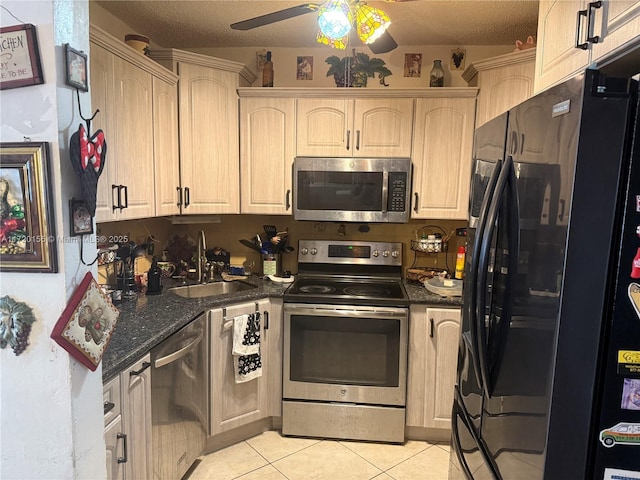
304,250
375,253
314,251
395,254
385,253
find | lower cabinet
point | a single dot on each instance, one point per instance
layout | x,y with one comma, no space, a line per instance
234,404
433,352
127,413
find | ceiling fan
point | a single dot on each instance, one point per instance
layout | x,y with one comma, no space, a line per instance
335,20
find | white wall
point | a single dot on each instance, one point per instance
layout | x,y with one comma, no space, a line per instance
50,405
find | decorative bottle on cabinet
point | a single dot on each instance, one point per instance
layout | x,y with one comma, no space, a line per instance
267,72
436,77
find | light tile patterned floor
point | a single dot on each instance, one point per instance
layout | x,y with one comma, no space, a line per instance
271,456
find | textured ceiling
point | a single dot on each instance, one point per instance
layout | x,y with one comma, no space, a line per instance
196,24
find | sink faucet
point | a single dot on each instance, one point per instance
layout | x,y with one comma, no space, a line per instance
202,258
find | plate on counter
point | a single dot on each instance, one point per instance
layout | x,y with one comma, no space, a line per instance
446,288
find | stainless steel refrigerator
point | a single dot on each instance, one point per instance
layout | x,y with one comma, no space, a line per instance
548,381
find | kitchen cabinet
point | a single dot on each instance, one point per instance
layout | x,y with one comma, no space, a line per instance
433,352
209,178
234,404
130,91
564,24
127,405
267,150
362,127
503,81
443,140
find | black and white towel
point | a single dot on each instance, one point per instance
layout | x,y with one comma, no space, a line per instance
247,362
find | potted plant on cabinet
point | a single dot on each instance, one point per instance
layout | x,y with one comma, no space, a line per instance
353,71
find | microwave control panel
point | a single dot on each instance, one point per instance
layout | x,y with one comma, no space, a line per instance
397,192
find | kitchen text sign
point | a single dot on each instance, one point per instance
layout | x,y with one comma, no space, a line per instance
19,57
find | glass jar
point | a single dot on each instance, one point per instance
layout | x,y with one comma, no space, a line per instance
436,77
431,243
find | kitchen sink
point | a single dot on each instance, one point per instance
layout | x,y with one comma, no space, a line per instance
210,289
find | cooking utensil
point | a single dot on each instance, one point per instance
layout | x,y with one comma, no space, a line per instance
270,230
251,245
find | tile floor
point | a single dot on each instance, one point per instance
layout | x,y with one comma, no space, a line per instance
270,456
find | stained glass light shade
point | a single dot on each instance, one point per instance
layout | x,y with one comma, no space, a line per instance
371,23
339,43
335,18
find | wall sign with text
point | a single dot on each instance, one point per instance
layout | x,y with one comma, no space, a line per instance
19,57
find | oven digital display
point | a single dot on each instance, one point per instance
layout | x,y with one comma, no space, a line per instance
349,251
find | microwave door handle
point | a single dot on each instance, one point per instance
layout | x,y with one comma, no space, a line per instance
385,191
472,274
483,265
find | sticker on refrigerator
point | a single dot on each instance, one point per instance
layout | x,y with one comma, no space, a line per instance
623,433
617,474
635,265
634,296
628,362
630,394
638,203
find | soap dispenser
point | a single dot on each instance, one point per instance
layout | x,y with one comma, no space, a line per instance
153,278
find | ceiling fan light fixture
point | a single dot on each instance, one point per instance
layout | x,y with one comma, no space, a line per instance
338,43
335,19
371,23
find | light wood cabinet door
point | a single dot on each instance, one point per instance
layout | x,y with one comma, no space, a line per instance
619,28
166,148
443,143
235,404
209,166
267,150
136,405
378,127
433,351
114,443
557,57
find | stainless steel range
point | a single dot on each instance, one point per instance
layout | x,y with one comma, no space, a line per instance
345,342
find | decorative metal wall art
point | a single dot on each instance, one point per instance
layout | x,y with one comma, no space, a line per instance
16,319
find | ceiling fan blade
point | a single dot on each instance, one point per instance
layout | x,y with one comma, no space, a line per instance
384,44
274,17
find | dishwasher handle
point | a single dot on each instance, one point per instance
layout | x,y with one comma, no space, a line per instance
172,357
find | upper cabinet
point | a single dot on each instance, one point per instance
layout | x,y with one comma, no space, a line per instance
503,82
443,143
344,127
267,149
128,89
573,34
208,130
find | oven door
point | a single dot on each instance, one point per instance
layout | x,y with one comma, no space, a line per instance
339,353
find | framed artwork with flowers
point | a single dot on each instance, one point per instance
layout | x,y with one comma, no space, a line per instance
85,327
27,229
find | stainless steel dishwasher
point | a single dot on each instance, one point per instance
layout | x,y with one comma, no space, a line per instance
180,399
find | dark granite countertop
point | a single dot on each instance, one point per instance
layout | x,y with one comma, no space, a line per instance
147,320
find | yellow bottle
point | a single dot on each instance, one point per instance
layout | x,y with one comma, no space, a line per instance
460,263
267,72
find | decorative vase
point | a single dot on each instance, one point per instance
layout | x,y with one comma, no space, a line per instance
436,77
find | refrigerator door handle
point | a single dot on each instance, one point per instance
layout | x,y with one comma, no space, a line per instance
473,268
484,254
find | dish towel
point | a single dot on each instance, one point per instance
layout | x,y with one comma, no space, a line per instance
247,363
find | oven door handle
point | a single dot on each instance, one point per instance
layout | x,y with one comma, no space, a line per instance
332,311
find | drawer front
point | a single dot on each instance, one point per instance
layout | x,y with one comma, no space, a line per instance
111,400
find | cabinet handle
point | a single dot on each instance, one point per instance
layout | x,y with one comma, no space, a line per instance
357,139
266,320
126,197
348,139
592,6
585,45
179,190
521,143
187,197
108,406
562,206
123,436
145,365
415,203
288,200
115,205
431,326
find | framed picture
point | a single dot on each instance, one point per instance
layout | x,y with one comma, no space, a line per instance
27,229
20,56
76,69
304,68
85,326
81,220
412,64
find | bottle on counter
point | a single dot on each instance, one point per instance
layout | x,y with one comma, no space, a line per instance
153,278
460,257
267,72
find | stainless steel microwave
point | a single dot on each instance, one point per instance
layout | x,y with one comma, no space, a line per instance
352,189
